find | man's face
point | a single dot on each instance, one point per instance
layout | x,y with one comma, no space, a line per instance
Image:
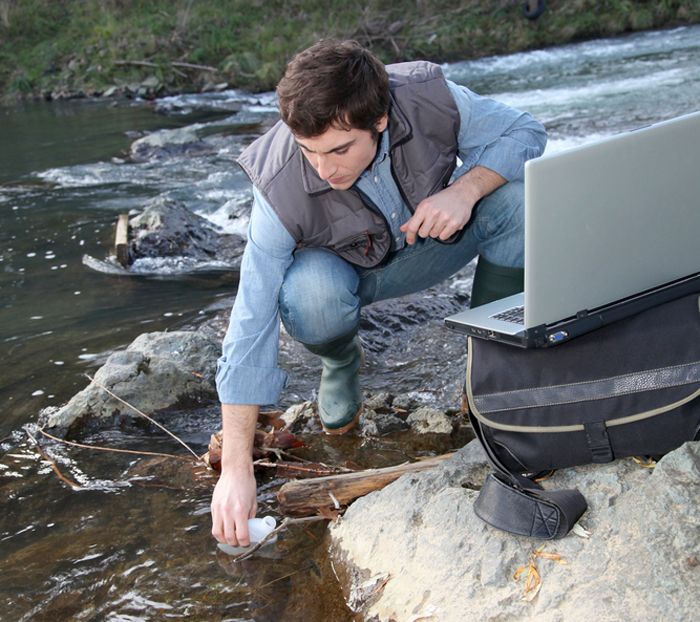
340,156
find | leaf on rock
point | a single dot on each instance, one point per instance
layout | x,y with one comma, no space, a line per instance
580,531
646,462
533,579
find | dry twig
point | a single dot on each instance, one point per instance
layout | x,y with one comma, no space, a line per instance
144,415
55,468
112,449
283,525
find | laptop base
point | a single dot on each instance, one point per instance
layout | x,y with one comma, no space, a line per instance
545,336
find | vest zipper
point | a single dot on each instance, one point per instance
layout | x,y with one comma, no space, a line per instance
411,208
442,185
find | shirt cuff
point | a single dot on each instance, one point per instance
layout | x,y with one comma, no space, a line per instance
510,169
238,384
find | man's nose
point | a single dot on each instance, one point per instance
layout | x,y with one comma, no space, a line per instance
324,167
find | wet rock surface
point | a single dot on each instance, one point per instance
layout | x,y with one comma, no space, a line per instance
168,143
375,423
168,229
379,418
640,560
156,371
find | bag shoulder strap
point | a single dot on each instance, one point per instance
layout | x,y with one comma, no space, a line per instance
513,503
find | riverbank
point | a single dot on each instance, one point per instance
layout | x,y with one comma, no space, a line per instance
400,552
54,50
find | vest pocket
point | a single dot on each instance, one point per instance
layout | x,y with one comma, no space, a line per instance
357,244
364,249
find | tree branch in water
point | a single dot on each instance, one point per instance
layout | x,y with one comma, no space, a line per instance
55,468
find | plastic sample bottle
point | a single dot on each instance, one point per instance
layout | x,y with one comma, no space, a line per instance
258,528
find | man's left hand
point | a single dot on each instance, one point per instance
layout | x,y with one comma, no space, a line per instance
446,212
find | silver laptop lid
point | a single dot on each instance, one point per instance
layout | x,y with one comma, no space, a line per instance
611,219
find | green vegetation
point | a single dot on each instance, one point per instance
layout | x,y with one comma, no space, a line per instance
58,48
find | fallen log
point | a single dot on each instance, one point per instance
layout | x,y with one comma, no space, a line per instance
310,496
121,240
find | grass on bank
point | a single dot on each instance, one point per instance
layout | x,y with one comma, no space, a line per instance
63,47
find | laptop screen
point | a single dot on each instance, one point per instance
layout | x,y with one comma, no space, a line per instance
608,220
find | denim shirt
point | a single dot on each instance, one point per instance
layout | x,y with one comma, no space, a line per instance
491,134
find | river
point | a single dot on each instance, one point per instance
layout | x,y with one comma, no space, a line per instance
117,550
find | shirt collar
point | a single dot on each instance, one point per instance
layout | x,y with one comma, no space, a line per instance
382,154
313,184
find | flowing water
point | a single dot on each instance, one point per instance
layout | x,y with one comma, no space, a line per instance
133,543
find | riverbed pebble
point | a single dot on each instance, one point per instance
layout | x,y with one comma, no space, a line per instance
430,420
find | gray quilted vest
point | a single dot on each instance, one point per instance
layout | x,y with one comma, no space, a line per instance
423,128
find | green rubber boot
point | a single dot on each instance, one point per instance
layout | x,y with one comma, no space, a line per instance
339,396
493,282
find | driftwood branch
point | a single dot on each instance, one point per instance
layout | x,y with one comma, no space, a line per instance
121,240
145,63
308,497
301,469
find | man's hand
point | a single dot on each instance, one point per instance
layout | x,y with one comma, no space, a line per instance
446,212
232,504
234,500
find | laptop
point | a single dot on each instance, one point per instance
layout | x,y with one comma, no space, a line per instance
611,228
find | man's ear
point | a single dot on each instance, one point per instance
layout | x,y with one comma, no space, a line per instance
382,123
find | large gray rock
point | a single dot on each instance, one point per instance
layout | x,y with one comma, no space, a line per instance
167,143
155,372
416,550
168,229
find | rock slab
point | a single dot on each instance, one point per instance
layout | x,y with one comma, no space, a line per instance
426,556
156,371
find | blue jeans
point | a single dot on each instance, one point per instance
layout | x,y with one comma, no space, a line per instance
322,294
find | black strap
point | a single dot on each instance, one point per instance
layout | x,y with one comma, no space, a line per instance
511,502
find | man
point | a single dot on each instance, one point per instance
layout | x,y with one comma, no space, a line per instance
357,193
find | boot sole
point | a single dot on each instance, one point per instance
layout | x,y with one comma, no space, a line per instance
346,428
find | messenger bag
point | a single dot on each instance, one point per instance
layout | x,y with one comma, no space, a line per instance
631,388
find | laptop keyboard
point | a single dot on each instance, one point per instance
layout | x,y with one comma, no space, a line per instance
515,315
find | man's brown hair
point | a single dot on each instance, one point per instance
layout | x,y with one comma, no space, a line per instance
333,83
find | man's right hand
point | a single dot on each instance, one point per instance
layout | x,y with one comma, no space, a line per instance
232,504
234,500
